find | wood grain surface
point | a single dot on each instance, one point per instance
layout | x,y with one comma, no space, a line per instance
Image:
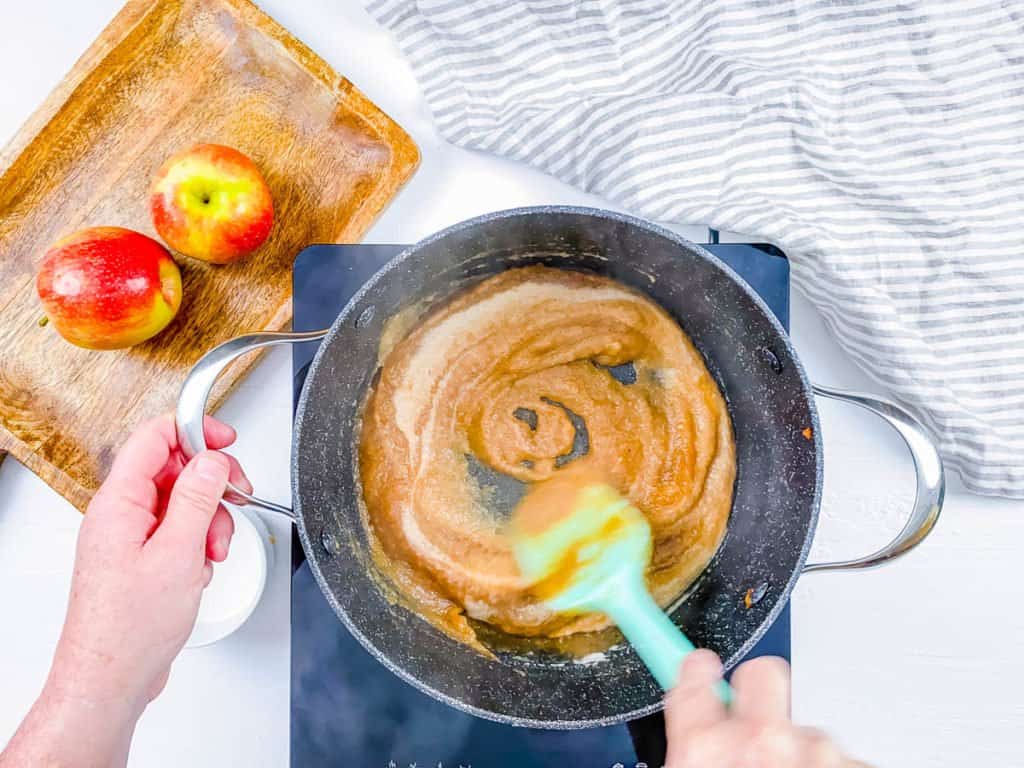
162,76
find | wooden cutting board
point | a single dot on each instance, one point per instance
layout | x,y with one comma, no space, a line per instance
162,76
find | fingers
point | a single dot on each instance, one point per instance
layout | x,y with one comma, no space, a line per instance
130,489
755,730
166,477
761,689
239,480
218,434
147,450
194,500
126,501
218,537
818,750
694,704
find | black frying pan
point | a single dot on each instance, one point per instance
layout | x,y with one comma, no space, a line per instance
778,486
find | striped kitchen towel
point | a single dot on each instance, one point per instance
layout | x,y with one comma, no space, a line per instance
879,143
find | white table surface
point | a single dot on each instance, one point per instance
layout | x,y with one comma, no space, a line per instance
915,664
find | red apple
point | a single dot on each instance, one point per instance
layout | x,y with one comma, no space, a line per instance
108,287
211,202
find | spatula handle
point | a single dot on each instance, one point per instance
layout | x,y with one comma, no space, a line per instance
659,643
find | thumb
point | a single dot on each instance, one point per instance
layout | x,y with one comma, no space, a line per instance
192,504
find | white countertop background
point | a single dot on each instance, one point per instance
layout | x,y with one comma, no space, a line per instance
915,664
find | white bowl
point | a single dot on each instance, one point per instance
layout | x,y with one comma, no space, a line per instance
237,584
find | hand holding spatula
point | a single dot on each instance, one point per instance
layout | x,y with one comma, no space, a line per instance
583,547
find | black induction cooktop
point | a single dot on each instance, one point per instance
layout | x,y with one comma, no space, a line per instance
347,709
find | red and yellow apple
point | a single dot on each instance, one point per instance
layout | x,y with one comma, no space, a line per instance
108,287
211,202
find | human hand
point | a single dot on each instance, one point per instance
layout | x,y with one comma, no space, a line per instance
755,732
143,559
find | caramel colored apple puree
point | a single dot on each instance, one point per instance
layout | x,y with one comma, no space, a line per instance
538,339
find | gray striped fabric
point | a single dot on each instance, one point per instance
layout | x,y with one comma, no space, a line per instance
878,143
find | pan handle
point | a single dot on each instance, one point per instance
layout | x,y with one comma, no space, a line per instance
931,481
195,392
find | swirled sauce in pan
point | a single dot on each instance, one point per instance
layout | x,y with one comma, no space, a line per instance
523,374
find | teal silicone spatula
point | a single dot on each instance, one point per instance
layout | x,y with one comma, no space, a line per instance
590,554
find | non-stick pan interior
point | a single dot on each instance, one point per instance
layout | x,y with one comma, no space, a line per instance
777,485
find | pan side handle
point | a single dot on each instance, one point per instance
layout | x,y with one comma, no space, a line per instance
199,383
931,480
